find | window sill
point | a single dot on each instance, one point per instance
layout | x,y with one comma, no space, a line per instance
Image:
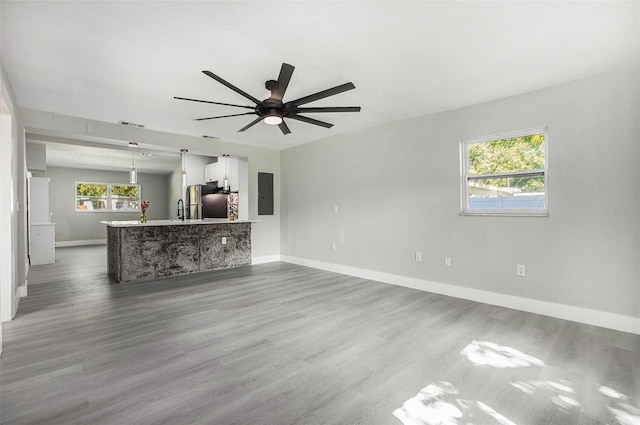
506,214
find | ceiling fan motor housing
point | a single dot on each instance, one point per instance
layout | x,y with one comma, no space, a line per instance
270,107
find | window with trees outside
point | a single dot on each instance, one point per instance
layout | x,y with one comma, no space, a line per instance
505,174
103,197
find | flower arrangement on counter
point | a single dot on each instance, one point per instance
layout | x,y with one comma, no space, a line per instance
143,207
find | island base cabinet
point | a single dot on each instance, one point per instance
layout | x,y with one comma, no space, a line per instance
148,252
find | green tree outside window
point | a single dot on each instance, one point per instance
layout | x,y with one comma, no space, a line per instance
523,153
104,196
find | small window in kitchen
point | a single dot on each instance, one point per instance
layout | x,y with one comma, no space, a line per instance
505,174
101,197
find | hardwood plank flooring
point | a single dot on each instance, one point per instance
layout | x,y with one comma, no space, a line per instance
281,344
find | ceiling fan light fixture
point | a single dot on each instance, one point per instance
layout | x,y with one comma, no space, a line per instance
272,119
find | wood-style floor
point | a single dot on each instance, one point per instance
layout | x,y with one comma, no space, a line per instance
280,344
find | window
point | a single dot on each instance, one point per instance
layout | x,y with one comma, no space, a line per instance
100,197
505,174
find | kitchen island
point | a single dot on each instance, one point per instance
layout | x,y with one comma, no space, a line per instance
158,248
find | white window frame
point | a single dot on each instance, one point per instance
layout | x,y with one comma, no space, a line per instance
108,198
465,177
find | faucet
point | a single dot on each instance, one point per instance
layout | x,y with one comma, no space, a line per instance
180,209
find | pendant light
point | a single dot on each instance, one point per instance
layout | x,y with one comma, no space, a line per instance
133,173
184,170
225,186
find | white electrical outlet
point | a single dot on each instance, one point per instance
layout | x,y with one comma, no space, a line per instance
333,246
447,261
224,240
335,209
418,256
520,270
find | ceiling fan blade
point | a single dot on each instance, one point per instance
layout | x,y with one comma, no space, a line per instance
215,103
329,109
322,94
224,116
251,124
283,81
284,127
231,86
310,121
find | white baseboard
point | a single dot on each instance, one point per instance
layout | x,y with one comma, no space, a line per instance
81,243
265,259
561,311
23,289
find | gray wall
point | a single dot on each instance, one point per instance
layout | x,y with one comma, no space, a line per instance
82,226
397,187
174,183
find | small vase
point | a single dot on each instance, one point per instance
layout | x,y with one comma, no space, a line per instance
143,218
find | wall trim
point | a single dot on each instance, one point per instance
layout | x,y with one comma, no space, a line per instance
81,243
265,259
560,311
14,305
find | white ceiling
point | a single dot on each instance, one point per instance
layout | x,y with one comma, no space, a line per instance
113,61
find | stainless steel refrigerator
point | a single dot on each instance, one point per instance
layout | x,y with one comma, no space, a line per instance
204,201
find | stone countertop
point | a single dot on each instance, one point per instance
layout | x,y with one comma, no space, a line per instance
174,222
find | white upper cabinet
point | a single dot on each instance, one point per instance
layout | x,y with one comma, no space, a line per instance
215,172
212,171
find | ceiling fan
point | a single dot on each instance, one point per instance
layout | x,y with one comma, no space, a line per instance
273,110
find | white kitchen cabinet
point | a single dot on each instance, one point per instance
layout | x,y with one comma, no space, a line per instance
42,243
42,233
212,173
39,200
215,172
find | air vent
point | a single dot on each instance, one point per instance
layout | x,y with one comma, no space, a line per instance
131,124
211,137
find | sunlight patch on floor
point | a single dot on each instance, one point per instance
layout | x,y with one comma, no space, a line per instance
485,353
559,392
437,404
624,410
